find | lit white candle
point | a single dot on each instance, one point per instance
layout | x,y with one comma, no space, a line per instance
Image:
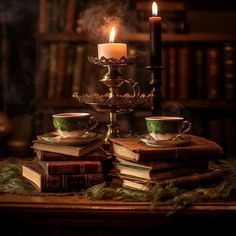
111,49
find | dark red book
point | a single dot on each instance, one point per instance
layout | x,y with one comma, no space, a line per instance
71,16
184,72
96,155
172,72
62,59
43,22
71,167
230,71
213,72
133,149
36,175
199,80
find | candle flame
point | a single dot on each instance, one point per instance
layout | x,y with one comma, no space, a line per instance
112,35
154,9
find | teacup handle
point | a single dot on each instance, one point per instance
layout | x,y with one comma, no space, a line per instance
94,120
186,127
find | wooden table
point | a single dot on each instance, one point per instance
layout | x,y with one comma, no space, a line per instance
71,215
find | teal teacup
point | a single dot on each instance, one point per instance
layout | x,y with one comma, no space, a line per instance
166,127
74,124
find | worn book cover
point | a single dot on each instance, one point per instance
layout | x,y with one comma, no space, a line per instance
96,155
149,166
71,167
213,73
157,174
135,150
35,174
66,149
212,175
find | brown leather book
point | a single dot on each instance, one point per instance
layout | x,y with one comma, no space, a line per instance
157,175
96,155
36,175
77,151
213,73
43,22
184,72
211,176
172,72
62,59
71,16
133,149
229,61
71,167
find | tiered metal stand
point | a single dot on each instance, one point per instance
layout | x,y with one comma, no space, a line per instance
113,102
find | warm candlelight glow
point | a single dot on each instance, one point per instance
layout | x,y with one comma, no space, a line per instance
111,49
112,35
154,9
155,36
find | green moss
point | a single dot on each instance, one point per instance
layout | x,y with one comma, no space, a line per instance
11,181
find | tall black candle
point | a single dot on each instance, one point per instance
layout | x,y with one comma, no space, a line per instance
155,37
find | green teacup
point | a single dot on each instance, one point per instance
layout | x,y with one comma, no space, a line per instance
166,127
72,125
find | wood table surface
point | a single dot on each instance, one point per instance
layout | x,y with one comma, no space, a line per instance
69,215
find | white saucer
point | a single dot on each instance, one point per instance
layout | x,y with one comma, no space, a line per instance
165,143
54,137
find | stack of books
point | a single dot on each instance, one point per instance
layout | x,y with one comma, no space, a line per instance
139,166
61,167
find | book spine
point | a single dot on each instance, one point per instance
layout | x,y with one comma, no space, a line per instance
69,72
61,69
184,72
43,22
172,69
63,183
42,75
52,184
164,76
78,69
213,72
71,167
230,71
54,11
71,16
97,155
52,68
62,14
196,179
205,152
199,85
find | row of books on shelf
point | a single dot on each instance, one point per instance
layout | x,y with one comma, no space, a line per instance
61,69
191,72
199,72
64,15
59,15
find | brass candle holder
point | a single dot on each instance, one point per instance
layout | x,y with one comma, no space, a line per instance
113,102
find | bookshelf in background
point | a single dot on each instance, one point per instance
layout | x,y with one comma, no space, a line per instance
199,73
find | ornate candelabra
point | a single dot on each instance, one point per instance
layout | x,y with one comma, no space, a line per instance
113,102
